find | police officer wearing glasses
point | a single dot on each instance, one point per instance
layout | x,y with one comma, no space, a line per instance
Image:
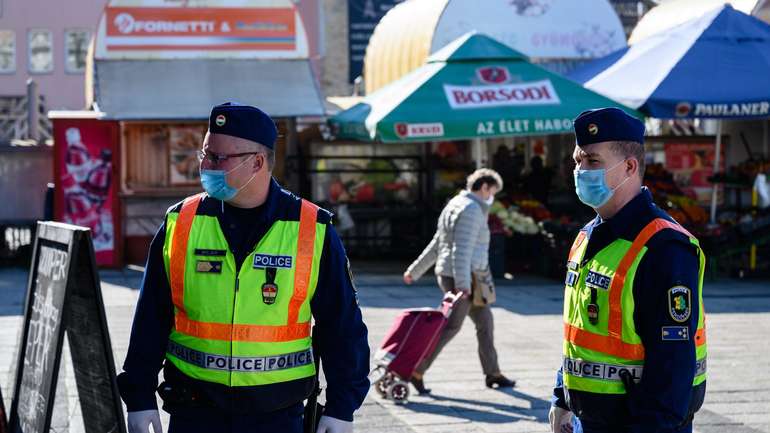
634,351
234,277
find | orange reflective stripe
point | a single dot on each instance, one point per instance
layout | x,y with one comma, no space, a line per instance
575,245
305,249
615,324
240,332
603,344
176,262
700,336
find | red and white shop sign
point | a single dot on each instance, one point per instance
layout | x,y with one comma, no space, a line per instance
503,95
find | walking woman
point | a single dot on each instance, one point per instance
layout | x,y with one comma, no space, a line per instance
459,248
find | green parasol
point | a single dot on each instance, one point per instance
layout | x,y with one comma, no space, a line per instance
475,87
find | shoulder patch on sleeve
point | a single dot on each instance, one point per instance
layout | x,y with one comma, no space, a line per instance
679,303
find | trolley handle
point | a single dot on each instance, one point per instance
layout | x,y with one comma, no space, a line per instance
449,302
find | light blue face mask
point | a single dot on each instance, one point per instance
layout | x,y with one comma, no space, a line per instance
591,186
215,182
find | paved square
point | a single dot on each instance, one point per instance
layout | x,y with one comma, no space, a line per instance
528,339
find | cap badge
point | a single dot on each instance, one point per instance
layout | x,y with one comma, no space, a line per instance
220,120
593,129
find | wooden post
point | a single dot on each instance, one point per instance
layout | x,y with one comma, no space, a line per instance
33,111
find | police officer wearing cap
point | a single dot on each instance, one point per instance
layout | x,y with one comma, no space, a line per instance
634,352
234,277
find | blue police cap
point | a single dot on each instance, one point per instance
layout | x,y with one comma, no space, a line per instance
243,121
607,124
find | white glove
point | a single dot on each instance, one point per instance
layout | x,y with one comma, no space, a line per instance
139,422
560,419
328,424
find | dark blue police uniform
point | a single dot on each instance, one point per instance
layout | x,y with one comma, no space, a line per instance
339,335
664,400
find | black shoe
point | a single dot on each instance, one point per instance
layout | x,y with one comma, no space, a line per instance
419,386
499,380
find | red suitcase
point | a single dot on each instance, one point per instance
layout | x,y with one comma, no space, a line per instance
412,337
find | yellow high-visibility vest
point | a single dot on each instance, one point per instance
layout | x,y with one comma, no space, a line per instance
600,340
247,328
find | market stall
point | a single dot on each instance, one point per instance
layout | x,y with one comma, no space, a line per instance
473,104
375,194
715,67
153,74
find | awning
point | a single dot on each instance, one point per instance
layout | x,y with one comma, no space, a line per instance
713,66
187,88
670,14
475,87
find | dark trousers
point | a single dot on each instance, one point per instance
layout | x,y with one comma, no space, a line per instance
485,330
207,420
577,427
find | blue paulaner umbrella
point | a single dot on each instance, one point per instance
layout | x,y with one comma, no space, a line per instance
715,66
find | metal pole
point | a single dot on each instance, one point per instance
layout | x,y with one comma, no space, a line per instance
753,249
765,138
33,111
715,186
477,157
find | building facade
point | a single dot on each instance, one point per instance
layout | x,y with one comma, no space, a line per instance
48,44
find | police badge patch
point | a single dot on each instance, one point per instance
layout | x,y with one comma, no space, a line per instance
269,293
679,303
269,289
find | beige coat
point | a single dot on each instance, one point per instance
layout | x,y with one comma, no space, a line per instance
461,241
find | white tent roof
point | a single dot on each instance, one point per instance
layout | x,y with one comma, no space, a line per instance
674,12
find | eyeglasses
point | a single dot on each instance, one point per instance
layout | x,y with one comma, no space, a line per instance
216,158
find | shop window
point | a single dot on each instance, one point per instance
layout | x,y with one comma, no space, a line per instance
376,192
359,175
159,156
7,51
76,49
40,43
184,141
367,180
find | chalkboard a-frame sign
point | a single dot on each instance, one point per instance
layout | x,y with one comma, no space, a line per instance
63,293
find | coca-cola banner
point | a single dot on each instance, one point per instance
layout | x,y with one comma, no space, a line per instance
85,171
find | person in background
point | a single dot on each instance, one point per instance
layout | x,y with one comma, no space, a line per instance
460,246
503,163
538,182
